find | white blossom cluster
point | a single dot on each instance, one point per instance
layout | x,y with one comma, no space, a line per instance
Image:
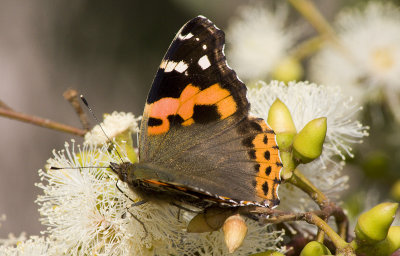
366,64
86,214
308,101
258,40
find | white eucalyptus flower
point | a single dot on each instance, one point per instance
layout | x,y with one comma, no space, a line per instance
306,102
32,247
113,125
259,238
12,239
258,40
368,61
86,214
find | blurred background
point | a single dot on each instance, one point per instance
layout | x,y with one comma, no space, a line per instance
107,50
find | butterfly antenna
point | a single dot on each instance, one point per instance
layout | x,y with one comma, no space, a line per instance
101,127
82,167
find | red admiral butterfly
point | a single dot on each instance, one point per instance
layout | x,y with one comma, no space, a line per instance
198,143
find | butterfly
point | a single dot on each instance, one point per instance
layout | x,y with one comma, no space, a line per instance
198,144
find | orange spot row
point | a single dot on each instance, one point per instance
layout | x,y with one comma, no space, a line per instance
272,192
260,148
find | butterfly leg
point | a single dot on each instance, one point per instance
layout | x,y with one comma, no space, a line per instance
180,207
134,203
138,203
140,222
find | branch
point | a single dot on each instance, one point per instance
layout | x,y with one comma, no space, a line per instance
313,217
311,13
8,112
4,105
307,48
300,181
72,96
317,221
342,222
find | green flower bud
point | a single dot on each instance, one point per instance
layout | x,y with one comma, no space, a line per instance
373,225
387,246
280,120
124,140
308,142
268,253
395,191
285,140
288,69
315,248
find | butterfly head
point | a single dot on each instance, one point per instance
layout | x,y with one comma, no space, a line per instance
125,171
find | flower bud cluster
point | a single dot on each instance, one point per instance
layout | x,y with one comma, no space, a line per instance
303,146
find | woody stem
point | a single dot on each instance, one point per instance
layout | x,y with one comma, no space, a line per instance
314,217
300,181
8,112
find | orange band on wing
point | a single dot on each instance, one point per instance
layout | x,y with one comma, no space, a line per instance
184,106
211,95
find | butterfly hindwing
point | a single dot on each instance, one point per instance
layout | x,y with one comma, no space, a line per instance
196,131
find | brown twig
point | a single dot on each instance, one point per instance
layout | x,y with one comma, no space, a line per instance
71,95
320,236
4,105
300,181
316,19
314,217
8,112
321,224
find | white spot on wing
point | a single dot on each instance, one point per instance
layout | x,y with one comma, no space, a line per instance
181,67
204,46
204,62
170,66
185,37
163,64
188,36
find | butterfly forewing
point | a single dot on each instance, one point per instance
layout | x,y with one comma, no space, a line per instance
196,131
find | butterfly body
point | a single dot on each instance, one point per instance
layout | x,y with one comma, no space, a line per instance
198,143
